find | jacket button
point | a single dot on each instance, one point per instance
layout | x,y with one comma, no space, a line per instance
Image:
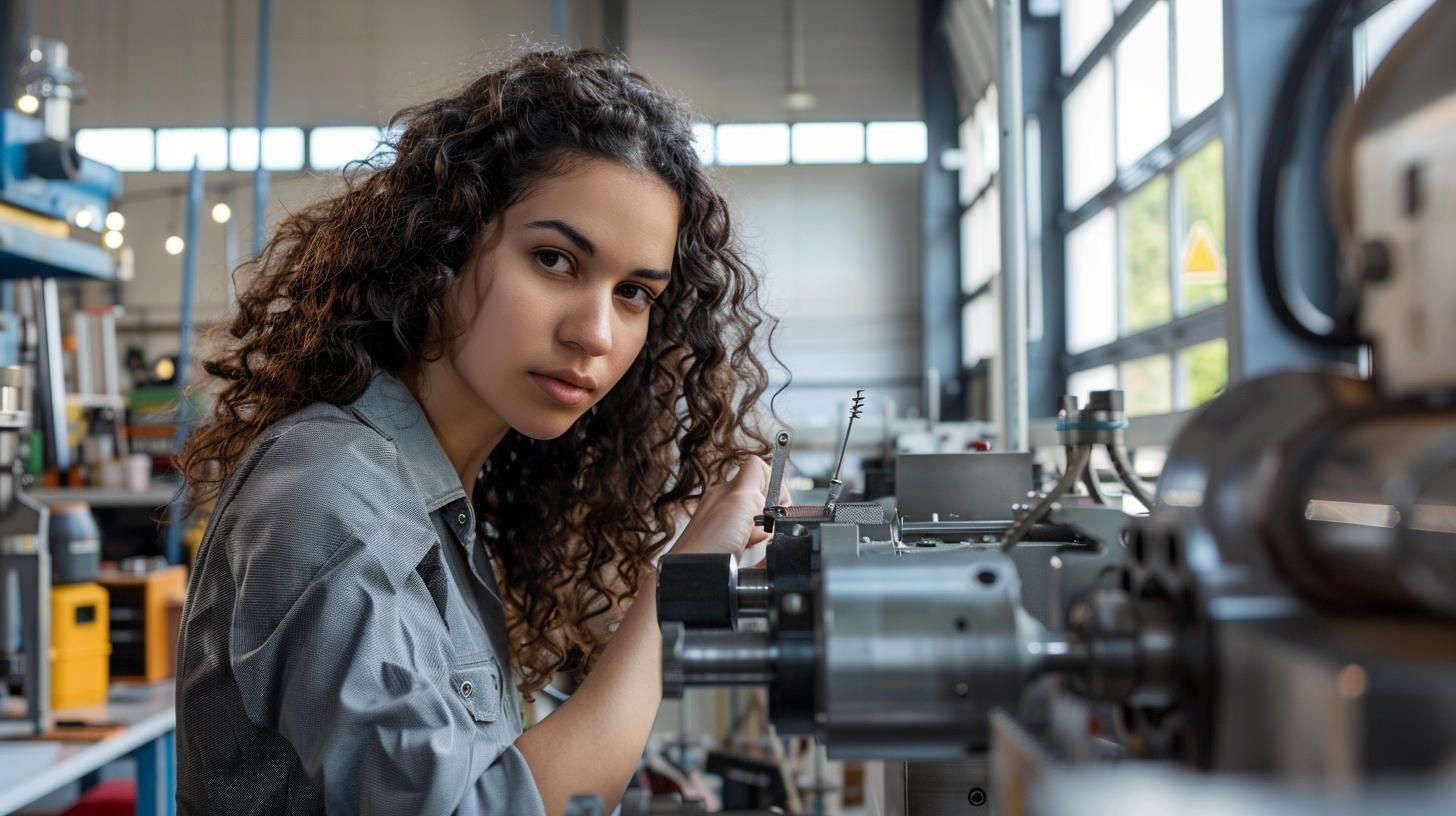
466,689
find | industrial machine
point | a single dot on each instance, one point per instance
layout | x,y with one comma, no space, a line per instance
25,570
53,203
1276,636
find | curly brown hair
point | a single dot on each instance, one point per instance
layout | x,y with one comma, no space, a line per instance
356,283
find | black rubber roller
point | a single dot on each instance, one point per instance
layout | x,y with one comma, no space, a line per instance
699,591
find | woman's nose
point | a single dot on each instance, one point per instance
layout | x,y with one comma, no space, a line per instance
588,325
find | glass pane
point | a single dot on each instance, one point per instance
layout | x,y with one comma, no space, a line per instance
970,250
282,149
979,329
1083,24
1087,140
129,150
1142,86
703,142
896,142
1082,383
1202,268
1199,26
1148,385
1092,283
970,172
178,147
987,120
332,148
991,229
829,143
1147,292
1204,369
981,241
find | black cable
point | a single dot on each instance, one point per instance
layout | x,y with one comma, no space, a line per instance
1282,131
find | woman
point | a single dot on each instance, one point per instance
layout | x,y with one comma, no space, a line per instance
463,405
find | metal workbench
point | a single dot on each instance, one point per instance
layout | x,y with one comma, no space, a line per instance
31,769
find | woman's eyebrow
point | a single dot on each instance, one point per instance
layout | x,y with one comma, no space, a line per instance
585,245
572,233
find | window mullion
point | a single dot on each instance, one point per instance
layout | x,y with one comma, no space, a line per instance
1174,118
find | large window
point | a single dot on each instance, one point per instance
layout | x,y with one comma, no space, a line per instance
1143,186
980,199
324,149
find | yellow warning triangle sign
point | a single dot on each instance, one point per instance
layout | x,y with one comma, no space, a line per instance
1201,260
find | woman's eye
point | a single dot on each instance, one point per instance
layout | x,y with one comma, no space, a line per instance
637,295
553,261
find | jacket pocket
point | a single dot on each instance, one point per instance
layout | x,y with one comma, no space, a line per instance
478,685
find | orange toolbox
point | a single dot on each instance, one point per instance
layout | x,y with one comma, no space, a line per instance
145,613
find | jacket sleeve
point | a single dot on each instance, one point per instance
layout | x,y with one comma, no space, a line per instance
341,649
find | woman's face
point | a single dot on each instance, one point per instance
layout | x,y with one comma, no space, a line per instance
556,302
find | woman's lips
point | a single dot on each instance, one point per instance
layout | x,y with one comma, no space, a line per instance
559,390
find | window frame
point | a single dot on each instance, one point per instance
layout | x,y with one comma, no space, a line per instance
1185,138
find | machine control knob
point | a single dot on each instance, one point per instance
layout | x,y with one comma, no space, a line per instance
699,590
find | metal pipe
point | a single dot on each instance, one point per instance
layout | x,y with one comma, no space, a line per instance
1055,652
1014,413
558,20
796,45
1089,480
260,175
50,375
726,658
1134,485
755,593
12,39
184,418
1076,463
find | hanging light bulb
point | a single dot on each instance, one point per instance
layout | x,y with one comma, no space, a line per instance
27,104
112,239
174,245
84,217
221,213
115,221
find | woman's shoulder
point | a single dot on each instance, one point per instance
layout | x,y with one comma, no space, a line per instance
318,484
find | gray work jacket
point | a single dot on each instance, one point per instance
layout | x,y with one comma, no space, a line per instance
343,644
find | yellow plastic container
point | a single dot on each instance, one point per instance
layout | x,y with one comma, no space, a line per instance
80,645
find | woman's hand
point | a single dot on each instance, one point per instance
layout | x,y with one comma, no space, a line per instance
723,521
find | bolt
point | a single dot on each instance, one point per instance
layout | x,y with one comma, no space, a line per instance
1414,194
792,604
1376,263
976,797
961,689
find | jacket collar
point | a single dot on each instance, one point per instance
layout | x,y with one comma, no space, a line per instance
388,406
